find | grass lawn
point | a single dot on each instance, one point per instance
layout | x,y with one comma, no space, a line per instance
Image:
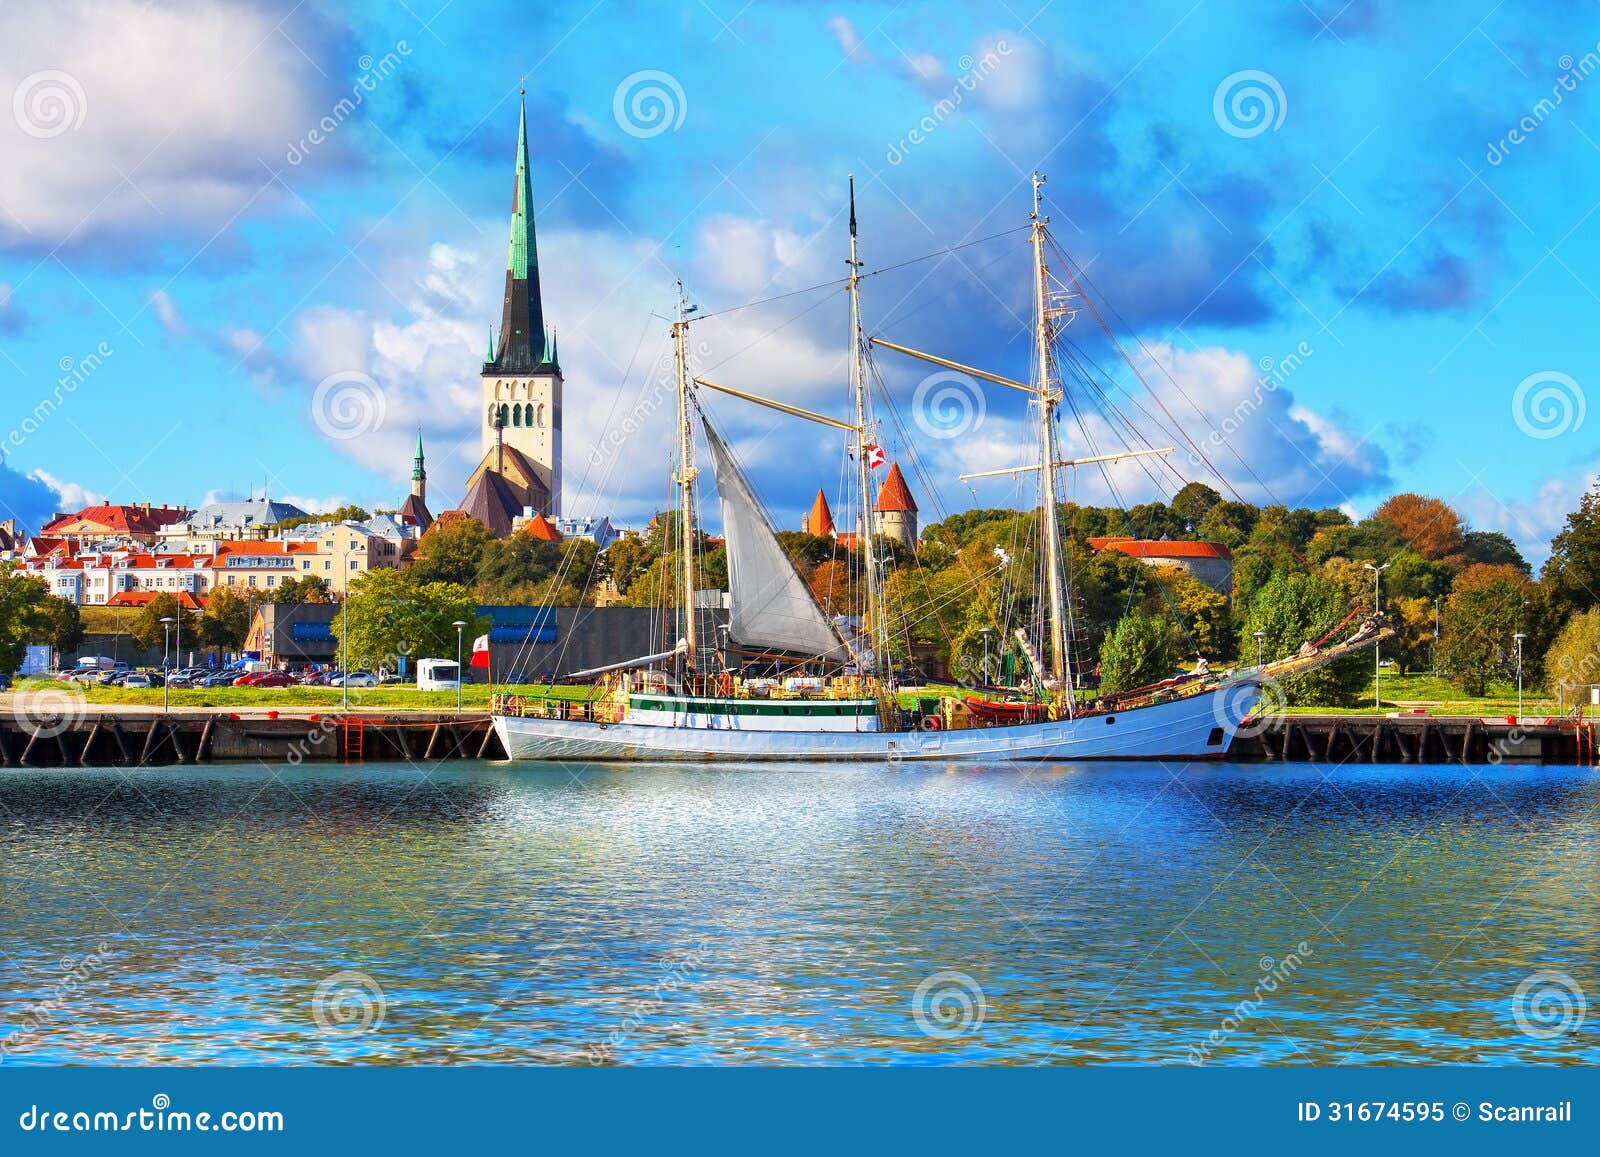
474,697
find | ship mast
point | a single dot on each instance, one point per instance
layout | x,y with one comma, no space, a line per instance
858,389
1048,397
686,473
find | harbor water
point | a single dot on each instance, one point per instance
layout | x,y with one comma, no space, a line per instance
1055,914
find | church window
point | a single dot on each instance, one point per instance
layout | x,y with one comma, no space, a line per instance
516,414
505,414
540,422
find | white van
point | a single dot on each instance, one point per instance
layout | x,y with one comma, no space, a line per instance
438,675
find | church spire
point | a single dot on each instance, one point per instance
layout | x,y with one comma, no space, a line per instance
419,473
522,341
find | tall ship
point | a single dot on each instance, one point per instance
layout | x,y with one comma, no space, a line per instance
783,679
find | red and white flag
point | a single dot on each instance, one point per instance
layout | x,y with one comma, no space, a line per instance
875,457
480,651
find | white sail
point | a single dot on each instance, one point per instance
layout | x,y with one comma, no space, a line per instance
771,605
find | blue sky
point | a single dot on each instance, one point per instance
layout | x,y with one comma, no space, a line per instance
161,199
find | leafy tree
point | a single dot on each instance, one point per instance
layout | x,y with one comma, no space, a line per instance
1410,576
1138,651
24,618
451,553
1202,612
150,631
626,559
1487,607
1194,501
1571,575
833,587
1229,523
386,615
1293,609
523,567
1491,546
807,550
1572,664
1426,525
1369,541
226,621
60,625
305,589
1412,620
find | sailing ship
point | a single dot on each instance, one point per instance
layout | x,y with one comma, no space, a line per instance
825,688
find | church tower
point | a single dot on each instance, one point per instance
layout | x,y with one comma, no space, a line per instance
522,379
414,510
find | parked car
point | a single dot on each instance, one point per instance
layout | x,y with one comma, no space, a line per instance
138,680
354,679
219,679
265,679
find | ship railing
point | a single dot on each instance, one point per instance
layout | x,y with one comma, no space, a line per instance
557,707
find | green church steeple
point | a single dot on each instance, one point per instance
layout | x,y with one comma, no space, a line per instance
522,341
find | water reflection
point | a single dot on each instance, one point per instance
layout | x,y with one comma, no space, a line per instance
1109,913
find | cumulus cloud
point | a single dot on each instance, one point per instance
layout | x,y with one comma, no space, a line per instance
135,116
30,499
1531,520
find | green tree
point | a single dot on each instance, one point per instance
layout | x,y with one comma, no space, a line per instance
1571,575
626,559
1140,650
60,625
1572,664
305,589
1488,606
451,553
226,621
1194,501
524,568
1202,613
1493,547
24,618
1293,609
386,615
149,631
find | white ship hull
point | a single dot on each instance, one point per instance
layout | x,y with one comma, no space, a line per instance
1197,727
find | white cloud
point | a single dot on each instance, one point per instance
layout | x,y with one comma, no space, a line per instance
135,114
845,34
168,313
1531,521
72,495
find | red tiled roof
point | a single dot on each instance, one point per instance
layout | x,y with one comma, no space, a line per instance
266,546
119,519
540,527
186,600
895,496
1161,548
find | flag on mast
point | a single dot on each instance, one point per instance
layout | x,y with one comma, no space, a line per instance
875,457
480,651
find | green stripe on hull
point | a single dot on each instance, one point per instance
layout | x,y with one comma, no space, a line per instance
814,708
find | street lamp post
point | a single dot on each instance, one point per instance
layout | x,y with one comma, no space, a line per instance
1377,609
461,673
1519,636
1261,637
166,663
